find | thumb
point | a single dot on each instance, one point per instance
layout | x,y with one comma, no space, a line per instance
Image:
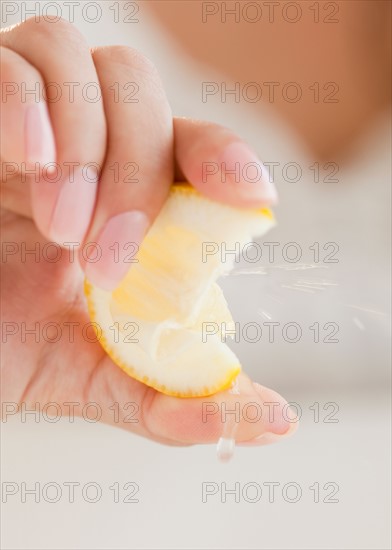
252,413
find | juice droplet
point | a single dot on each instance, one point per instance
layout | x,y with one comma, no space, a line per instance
226,444
225,449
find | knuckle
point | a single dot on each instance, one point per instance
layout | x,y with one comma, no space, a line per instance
129,57
55,30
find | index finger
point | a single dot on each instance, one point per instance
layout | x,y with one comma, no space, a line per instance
221,165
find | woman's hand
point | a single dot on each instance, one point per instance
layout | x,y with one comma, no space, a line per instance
92,161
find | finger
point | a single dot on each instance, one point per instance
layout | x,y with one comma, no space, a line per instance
256,415
253,412
63,201
138,170
26,131
220,165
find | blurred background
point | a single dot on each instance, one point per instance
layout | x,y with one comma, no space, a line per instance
329,269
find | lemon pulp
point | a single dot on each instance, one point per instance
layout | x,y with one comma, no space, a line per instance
153,324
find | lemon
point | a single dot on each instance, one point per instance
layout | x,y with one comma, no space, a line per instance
152,324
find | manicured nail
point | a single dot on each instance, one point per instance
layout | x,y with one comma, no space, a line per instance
266,439
117,244
280,420
74,207
39,137
241,167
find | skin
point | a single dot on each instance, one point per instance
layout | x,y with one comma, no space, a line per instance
43,291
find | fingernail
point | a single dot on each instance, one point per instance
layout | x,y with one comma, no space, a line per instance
278,418
118,243
74,207
39,137
241,167
265,439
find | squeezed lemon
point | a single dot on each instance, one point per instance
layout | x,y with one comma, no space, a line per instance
171,292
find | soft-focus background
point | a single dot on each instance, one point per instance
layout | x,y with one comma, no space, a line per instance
341,388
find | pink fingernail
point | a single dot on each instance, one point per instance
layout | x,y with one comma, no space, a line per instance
117,244
241,167
279,420
74,207
39,137
266,438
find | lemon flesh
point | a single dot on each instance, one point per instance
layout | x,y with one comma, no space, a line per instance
152,325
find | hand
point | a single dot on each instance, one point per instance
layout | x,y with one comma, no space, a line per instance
43,290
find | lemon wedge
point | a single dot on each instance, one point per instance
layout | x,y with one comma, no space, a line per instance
152,324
